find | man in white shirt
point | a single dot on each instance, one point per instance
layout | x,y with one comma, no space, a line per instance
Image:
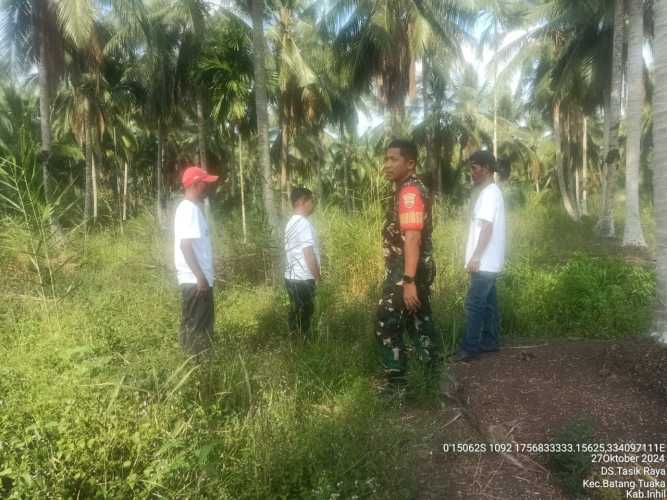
302,270
193,259
484,260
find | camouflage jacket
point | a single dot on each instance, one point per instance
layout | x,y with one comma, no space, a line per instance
409,207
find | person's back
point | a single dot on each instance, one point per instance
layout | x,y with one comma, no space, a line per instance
302,266
299,234
489,207
484,260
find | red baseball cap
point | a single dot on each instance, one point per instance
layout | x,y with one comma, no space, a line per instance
194,174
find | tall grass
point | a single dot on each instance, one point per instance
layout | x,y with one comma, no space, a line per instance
96,398
30,229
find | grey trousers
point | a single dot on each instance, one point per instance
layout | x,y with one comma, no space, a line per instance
197,319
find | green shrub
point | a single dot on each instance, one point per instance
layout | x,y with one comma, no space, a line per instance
585,297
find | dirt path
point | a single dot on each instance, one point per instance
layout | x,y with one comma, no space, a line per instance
524,395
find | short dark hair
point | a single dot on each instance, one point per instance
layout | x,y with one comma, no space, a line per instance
483,159
299,193
407,147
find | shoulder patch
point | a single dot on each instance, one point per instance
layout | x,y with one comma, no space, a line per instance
411,208
409,199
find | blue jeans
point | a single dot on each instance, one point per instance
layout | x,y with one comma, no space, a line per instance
482,316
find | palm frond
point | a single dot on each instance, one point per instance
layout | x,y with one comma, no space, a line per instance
76,18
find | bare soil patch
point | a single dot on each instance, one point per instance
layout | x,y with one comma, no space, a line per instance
525,394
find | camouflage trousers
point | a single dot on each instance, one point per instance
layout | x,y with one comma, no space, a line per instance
393,319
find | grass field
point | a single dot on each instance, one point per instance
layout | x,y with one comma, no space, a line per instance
97,400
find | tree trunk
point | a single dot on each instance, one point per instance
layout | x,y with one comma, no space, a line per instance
660,169
320,163
604,167
346,167
261,105
210,217
124,203
428,129
93,176
605,225
440,158
495,87
88,189
396,119
320,181
202,129
136,190
570,165
116,183
284,158
577,188
158,175
242,186
562,186
45,85
346,186
632,233
346,173
584,167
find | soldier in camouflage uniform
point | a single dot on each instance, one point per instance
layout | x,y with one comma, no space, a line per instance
409,266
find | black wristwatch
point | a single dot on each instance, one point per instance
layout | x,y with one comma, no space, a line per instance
408,279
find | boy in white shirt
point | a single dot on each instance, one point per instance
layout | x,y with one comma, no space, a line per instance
302,271
484,260
193,259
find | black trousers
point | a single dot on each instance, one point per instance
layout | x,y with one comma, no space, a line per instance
302,304
197,319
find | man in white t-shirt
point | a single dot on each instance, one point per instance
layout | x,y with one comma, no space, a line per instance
302,269
193,259
484,260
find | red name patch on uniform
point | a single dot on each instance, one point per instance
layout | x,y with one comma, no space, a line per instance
410,209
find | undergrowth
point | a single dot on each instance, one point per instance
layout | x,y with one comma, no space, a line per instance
97,400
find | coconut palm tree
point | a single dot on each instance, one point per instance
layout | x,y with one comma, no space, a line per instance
308,89
379,42
226,69
572,42
88,86
439,62
297,83
190,17
153,35
503,15
37,32
660,168
632,233
261,108
605,225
